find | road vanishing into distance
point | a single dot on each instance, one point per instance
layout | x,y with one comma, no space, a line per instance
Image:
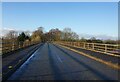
53,62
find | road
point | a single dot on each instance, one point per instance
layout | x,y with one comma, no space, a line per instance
13,60
53,62
102,56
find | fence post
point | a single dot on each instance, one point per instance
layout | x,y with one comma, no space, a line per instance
105,48
78,44
22,45
93,46
84,44
19,44
1,47
88,45
74,44
13,46
30,43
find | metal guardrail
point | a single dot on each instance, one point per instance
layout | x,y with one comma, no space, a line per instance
104,48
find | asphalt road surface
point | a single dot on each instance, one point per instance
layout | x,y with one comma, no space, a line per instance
52,62
102,56
12,61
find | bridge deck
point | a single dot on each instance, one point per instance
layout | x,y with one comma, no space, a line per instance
102,56
57,63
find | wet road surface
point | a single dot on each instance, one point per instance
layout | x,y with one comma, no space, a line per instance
52,62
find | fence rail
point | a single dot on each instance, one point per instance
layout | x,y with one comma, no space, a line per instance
104,48
11,45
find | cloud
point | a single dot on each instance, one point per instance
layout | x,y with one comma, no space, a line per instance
102,37
4,31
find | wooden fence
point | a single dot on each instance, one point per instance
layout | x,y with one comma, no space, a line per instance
11,45
104,48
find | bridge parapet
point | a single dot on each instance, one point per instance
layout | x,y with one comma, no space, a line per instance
11,45
112,49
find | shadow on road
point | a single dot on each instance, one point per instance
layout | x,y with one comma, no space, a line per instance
55,69
102,76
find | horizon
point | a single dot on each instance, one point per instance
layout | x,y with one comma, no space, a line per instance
86,36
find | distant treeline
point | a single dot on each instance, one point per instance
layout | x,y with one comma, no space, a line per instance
53,35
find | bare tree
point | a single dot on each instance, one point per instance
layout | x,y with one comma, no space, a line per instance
68,34
27,33
37,35
55,34
12,34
